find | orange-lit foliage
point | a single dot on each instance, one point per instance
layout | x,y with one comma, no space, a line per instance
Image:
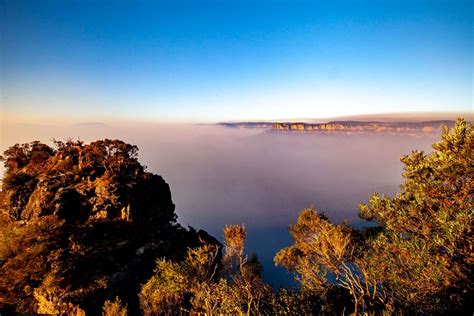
80,224
420,256
114,308
425,250
204,284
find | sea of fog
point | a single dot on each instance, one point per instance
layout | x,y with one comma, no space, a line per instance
222,176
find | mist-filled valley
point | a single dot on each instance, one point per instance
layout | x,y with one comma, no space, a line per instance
222,176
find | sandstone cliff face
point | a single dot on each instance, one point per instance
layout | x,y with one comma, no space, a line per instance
348,127
100,181
99,221
353,127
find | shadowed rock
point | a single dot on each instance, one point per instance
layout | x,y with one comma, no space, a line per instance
94,221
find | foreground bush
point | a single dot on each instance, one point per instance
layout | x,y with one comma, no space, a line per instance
207,283
419,258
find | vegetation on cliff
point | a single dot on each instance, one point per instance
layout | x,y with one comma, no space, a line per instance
81,224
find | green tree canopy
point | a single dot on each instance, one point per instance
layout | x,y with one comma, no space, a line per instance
420,256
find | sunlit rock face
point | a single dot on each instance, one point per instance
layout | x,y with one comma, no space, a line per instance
355,127
78,182
350,127
94,220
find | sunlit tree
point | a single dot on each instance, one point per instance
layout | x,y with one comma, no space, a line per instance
424,252
420,256
206,283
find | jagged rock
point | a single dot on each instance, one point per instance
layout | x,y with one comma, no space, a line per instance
96,218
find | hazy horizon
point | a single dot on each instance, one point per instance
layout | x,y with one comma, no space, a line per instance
11,120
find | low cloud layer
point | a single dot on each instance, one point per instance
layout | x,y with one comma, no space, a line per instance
220,176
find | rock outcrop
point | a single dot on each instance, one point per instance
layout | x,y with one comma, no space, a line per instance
83,223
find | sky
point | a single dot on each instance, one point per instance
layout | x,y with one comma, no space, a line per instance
210,61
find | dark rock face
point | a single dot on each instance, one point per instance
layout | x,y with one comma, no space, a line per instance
68,205
100,220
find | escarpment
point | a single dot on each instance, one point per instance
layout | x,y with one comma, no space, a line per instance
82,223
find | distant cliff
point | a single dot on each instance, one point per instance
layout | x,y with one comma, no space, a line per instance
348,127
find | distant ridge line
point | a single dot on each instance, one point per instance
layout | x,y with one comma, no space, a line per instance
349,127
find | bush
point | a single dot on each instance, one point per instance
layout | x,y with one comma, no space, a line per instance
114,308
419,258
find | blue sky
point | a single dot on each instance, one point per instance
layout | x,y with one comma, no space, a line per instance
234,60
